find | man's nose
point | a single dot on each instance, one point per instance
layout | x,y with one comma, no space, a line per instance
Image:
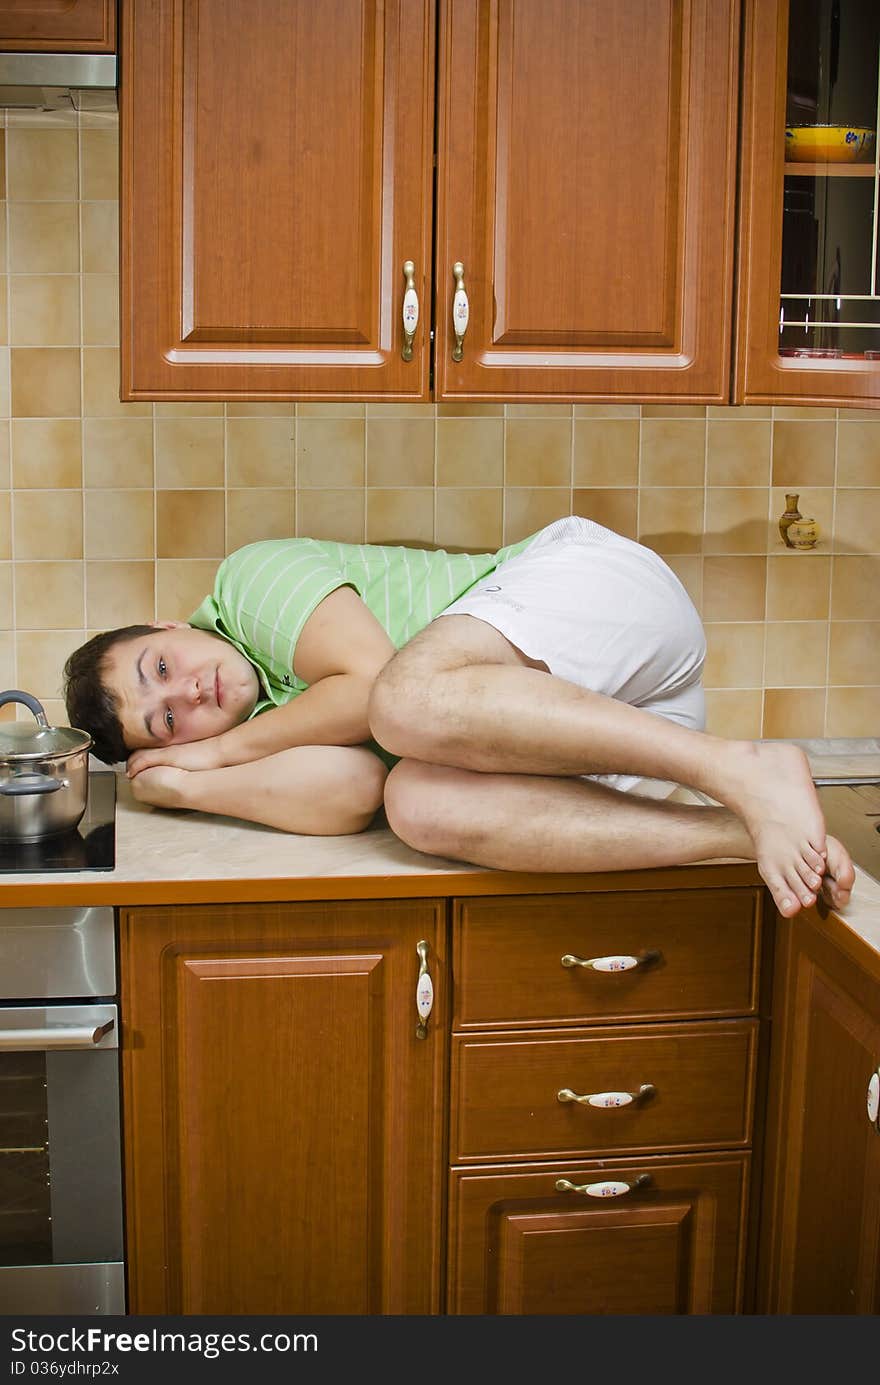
190,691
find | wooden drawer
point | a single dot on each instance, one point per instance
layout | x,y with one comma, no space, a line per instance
505,1103
508,971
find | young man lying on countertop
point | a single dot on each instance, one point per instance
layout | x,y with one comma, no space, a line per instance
518,698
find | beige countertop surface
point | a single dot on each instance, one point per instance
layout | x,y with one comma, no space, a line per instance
179,857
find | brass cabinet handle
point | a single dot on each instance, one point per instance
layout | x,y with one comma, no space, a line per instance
609,1187
607,1099
617,962
424,991
460,311
873,1100
410,310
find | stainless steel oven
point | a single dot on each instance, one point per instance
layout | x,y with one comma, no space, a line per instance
61,1236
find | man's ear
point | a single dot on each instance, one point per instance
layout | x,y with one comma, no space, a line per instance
169,624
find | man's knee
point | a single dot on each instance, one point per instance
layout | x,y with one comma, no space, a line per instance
416,806
398,705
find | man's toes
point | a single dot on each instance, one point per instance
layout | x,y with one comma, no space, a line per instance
783,898
815,859
809,877
804,895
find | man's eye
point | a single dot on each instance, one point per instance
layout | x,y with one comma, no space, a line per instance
169,719
162,667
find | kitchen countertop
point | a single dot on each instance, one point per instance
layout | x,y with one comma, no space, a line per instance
167,857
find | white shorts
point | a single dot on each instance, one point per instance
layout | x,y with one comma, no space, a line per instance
605,613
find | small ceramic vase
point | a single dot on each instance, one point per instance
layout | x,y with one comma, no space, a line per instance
802,533
788,517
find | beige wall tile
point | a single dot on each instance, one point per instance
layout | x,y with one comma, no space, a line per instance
45,381
5,385
526,511
201,408
470,520
607,410
688,569
793,713
857,521
99,153
274,409
852,711
537,410
673,410
735,657
400,410
616,509
100,309
796,654
44,310
183,584
606,451
339,515
5,455
671,519
190,524
100,367
41,165
330,452
99,231
189,452
470,451
738,412
738,452
331,409
403,516
43,238
466,408
798,586
252,515
47,524
6,608
858,454
538,452
855,653
855,588
734,588
41,655
8,673
400,452
118,452
46,452
801,411
736,520
736,714
260,451
816,503
803,454
4,309
673,452
49,596
5,525
120,593
119,524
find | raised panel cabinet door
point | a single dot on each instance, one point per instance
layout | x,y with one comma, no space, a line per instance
674,1244
586,165
276,166
283,1120
65,26
820,1238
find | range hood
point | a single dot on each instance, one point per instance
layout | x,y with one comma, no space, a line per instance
58,81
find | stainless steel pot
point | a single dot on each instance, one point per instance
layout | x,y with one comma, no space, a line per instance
44,775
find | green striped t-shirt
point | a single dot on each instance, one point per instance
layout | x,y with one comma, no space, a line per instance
264,594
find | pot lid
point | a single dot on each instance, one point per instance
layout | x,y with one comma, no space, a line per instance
19,739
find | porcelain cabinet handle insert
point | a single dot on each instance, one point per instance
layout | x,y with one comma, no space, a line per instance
873,1101
617,962
460,311
609,1187
605,1100
424,991
410,310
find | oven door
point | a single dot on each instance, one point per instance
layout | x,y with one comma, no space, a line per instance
60,1160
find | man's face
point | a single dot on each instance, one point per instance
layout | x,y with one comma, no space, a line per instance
179,684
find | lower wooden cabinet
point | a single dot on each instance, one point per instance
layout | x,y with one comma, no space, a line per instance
674,1243
283,1121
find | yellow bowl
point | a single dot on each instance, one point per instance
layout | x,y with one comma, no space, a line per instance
829,143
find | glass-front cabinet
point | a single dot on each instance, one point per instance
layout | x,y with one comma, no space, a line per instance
809,288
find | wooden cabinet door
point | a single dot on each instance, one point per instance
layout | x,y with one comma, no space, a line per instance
519,1244
63,26
586,163
283,1122
820,1241
276,176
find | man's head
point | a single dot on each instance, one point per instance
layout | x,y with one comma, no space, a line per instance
150,685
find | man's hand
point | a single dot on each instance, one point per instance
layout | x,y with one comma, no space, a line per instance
187,755
163,786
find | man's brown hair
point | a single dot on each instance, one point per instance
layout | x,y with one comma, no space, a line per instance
91,706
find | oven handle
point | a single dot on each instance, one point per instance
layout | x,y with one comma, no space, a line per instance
84,1036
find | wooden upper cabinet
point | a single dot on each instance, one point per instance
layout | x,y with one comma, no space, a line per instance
586,169
276,176
808,270
62,26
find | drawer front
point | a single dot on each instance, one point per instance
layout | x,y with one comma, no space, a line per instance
702,946
699,1079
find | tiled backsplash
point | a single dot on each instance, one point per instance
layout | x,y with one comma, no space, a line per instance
116,512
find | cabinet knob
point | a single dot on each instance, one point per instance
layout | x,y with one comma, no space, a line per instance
424,991
605,1100
410,310
617,962
609,1187
460,311
873,1100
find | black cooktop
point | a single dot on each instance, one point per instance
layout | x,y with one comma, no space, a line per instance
90,846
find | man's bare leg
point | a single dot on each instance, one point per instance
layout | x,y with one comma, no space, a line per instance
459,694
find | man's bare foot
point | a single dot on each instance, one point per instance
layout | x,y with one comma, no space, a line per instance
839,875
771,789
